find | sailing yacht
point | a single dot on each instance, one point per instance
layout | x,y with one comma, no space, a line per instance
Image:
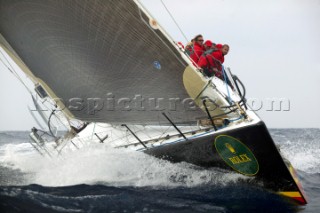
109,73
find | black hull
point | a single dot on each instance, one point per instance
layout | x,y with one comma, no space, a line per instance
273,171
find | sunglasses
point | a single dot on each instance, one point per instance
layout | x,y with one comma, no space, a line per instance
200,40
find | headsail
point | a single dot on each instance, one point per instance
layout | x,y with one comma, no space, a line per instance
102,58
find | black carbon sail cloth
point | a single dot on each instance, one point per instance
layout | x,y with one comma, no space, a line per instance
101,58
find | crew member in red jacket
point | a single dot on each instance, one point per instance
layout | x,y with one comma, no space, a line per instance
219,55
219,46
198,48
212,63
208,45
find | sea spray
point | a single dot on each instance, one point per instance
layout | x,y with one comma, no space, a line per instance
301,147
124,181
98,163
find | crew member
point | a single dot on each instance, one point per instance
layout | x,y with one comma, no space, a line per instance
198,48
211,63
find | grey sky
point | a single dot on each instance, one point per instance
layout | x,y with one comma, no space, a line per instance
274,50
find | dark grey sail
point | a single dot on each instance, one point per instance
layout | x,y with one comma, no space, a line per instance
102,58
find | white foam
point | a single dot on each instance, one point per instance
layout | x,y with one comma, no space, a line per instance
98,163
303,155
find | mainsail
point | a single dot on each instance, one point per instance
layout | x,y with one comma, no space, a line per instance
106,60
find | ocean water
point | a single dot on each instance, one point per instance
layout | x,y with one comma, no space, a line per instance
102,179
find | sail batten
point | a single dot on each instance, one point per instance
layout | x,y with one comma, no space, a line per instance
101,58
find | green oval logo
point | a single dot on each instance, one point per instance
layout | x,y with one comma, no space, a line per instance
236,155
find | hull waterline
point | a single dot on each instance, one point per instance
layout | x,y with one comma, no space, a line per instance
248,150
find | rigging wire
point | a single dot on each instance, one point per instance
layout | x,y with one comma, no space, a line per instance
176,23
174,20
12,70
226,82
49,125
10,67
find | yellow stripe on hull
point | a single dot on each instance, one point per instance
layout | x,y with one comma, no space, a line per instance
294,195
291,194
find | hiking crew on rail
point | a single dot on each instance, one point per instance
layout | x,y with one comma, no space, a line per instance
207,55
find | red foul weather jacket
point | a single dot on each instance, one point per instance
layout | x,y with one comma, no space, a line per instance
212,60
198,50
